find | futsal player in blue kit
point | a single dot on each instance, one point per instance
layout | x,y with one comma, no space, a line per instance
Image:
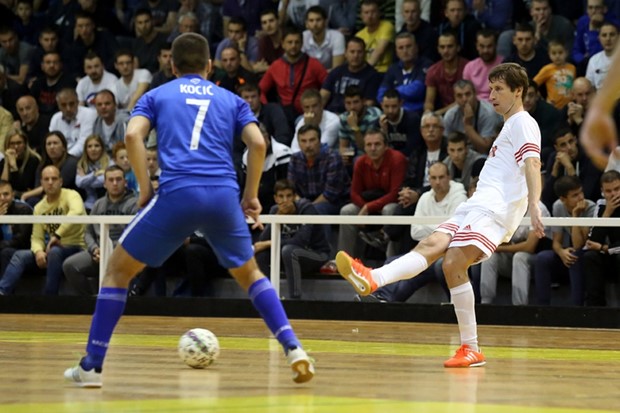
196,122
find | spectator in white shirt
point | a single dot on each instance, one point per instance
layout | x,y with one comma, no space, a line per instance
598,66
133,82
74,121
96,79
314,114
326,45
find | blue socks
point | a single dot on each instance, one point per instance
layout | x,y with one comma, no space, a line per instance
268,304
111,305
109,309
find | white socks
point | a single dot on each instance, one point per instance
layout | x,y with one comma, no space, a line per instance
463,300
405,267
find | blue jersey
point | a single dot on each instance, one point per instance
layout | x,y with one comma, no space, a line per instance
196,122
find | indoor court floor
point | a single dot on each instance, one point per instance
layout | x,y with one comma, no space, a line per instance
361,367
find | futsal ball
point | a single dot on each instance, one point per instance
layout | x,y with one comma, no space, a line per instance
199,348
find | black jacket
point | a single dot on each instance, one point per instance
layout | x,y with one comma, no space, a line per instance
307,236
20,232
605,235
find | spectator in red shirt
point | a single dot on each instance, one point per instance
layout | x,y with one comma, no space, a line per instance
377,178
290,75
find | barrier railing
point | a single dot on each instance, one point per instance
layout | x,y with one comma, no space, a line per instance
276,221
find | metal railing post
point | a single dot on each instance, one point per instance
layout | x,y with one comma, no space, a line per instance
275,256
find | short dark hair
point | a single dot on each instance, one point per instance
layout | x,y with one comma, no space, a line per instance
564,184
123,52
310,93
240,21
248,87
57,53
376,131
405,35
291,30
48,29
91,54
308,127
371,3
357,40
609,23
457,137
316,10
283,185
232,47
392,94
462,83
486,33
450,33
113,168
190,53
524,27
269,11
165,46
108,91
608,176
352,91
561,131
80,14
143,11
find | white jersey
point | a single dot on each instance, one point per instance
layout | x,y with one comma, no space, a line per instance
87,90
502,188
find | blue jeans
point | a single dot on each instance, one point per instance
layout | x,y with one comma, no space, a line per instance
547,264
328,208
24,260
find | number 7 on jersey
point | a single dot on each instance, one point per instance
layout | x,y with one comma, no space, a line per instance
203,107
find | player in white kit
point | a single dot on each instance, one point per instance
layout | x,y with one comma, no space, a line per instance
510,181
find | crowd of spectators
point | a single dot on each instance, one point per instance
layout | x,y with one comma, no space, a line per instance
357,101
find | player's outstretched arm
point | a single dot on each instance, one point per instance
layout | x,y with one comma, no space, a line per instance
137,130
534,188
599,135
257,148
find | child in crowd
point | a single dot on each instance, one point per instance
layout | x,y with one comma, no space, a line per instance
557,76
119,155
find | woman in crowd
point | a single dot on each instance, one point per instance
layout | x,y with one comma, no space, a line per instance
90,168
56,154
20,162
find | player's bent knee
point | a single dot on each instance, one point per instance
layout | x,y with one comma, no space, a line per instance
121,268
246,274
434,245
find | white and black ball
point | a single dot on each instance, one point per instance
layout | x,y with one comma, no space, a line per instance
199,348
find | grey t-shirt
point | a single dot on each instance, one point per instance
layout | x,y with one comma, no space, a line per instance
12,63
486,120
560,211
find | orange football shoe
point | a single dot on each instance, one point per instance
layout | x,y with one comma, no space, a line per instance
466,357
355,273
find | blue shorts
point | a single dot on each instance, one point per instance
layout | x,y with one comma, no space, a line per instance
162,226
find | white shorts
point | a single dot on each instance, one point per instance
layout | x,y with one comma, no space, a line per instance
474,227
